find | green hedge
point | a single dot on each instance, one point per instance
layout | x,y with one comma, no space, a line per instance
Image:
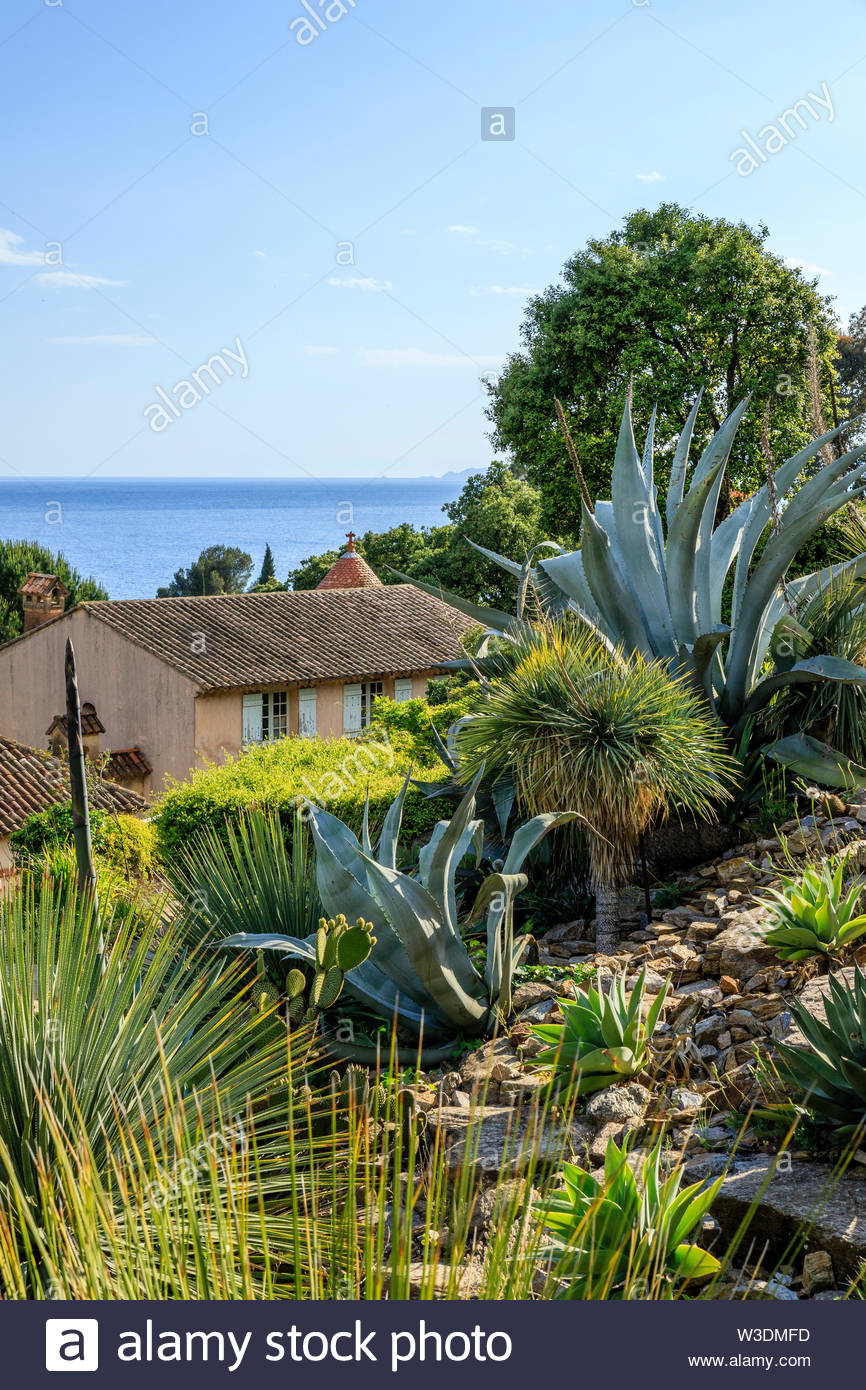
336,774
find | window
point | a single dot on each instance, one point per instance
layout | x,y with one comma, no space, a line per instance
266,716
358,701
403,688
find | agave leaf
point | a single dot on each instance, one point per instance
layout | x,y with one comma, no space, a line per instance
448,851
528,835
810,671
725,547
688,565
436,952
634,516
344,890
817,762
761,512
390,833
492,618
609,587
568,572
811,506
267,941
680,464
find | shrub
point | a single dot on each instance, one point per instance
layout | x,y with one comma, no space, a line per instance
49,831
120,842
413,718
130,846
90,1034
337,773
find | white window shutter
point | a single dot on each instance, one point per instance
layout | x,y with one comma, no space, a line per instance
307,713
403,688
351,709
252,725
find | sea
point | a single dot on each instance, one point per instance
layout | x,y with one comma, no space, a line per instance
132,534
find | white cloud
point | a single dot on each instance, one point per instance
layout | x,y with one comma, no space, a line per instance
70,279
359,282
259,253
496,244
502,289
10,255
417,357
502,248
654,177
314,351
807,267
110,339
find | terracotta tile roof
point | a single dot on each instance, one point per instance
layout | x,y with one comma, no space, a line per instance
90,721
31,780
127,762
350,572
38,585
227,641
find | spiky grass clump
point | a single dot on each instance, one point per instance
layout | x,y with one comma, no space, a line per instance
90,1033
619,740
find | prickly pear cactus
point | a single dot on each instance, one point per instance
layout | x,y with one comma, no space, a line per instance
339,949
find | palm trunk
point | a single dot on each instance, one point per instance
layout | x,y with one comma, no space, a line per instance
606,919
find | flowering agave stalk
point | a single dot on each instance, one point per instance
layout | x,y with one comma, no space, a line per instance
419,973
658,591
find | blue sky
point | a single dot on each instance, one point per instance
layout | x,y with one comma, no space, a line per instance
341,226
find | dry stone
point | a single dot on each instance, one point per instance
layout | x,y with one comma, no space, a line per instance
620,1103
833,1208
813,999
498,1138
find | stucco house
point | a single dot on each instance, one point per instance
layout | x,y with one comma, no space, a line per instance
32,780
173,683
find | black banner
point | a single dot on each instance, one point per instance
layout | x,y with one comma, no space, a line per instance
319,1345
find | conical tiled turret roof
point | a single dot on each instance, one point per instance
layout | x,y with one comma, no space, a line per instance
351,571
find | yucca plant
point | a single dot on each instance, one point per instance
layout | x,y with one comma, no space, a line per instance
604,1038
829,1073
658,592
420,973
622,741
88,1032
627,1237
812,916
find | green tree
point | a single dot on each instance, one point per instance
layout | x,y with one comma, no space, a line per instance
17,560
221,569
495,509
672,302
267,571
267,581
309,573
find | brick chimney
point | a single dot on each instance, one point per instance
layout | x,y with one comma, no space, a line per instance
42,598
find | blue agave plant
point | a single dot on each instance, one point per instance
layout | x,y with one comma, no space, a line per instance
419,973
657,589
